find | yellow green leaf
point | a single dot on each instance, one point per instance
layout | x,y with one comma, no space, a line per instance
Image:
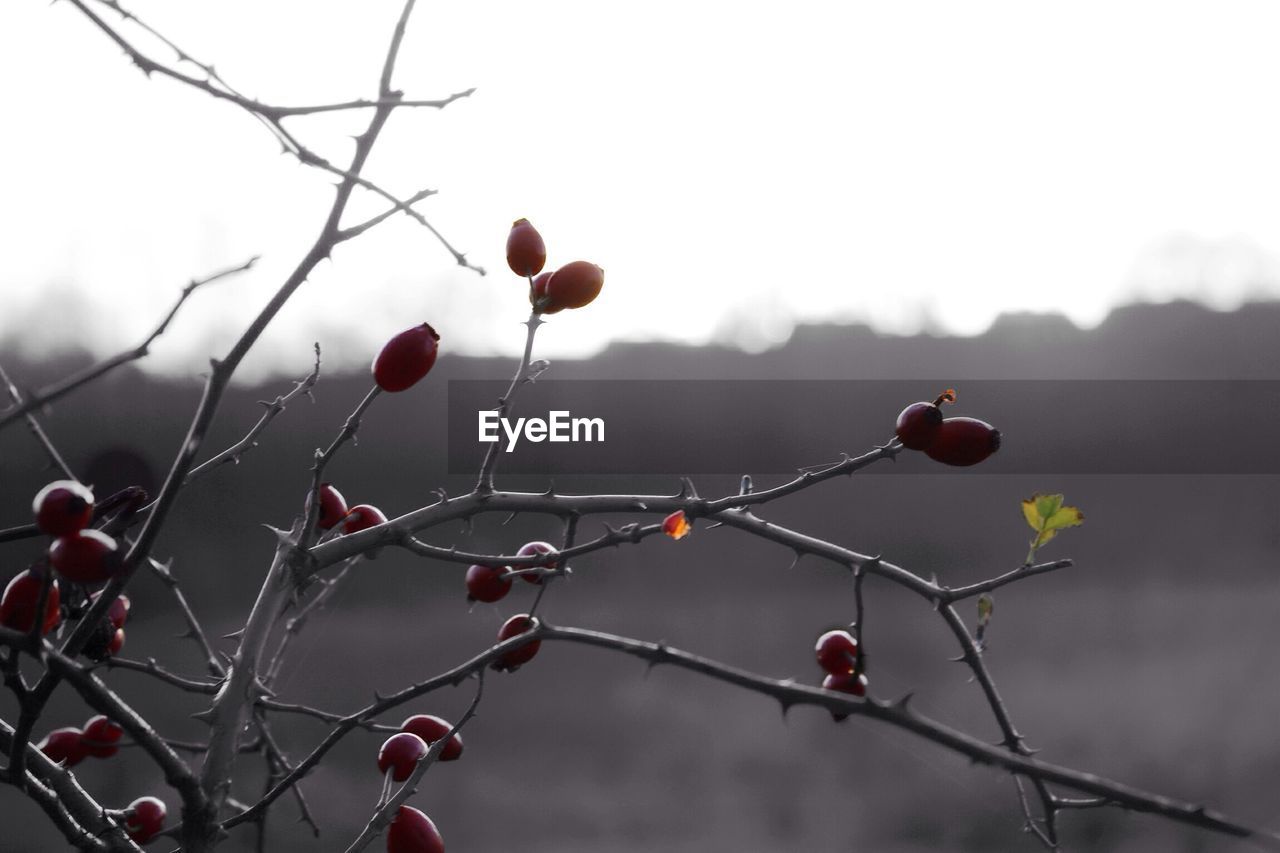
1047,505
1043,537
1067,516
1030,514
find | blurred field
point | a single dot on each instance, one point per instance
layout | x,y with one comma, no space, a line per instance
1151,661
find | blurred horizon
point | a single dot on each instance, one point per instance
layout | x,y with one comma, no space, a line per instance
915,169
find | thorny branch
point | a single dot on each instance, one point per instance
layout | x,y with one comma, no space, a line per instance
241,690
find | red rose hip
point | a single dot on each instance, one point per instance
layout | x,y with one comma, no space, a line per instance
62,507
488,583
538,294
64,746
101,736
144,819
573,285
963,441
22,596
86,556
850,683
401,753
515,626
532,549
406,358
918,423
333,507
362,517
526,253
837,652
431,729
411,831
116,643
118,612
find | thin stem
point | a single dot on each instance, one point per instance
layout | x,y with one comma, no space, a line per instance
485,483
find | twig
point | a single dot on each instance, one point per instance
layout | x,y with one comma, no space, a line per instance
78,380
249,441
194,630
38,431
485,484
386,812
295,625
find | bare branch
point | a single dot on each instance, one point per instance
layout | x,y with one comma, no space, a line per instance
78,380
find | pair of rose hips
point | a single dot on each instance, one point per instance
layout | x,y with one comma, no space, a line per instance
492,583
69,746
334,511
401,752
837,653
951,441
64,510
574,285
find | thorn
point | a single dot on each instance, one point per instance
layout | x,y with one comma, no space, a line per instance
283,537
205,716
904,701
234,635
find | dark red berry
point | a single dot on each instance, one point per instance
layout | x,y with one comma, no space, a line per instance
333,506
837,652
574,285
62,507
65,746
22,596
86,556
116,643
411,831
964,441
517,657
144,819
538,293
849,683
401,753
362,517
431,729
918,423
532,549
488,583
101,736
406,358
118,612
526,253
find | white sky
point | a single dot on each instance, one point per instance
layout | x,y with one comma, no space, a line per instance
735,168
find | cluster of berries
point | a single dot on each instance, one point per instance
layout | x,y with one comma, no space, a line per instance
100,738
81,555
412,831
574,285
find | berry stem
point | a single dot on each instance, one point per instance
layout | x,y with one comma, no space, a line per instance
484,484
